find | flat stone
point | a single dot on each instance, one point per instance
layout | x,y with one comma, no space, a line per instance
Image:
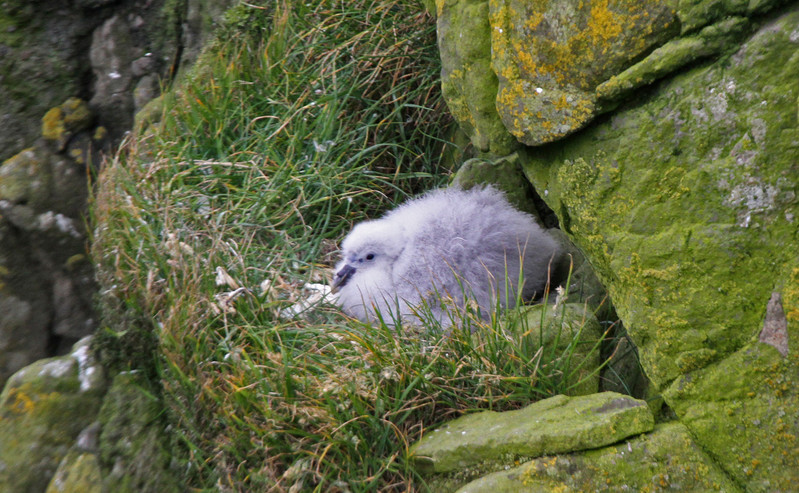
665,460
556,425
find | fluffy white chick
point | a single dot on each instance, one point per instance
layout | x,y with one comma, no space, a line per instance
447,244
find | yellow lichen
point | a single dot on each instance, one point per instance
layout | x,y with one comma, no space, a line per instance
53,127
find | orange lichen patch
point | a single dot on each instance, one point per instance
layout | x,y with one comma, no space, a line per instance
791,297
53,124
602,24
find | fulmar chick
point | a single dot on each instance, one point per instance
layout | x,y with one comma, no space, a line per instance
447,244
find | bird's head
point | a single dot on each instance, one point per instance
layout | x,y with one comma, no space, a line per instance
370,251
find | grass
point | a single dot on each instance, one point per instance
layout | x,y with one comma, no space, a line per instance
299,120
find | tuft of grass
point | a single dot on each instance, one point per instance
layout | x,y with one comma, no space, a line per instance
299,120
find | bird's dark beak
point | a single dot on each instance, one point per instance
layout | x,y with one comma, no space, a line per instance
342,277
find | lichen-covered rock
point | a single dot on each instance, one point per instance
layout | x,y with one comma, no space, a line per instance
60,123
667,459
550,56
559,424
40,65
46,282
743,412
686,203
467,81
557,65
44,407
79,472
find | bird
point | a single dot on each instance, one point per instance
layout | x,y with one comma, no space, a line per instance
449,248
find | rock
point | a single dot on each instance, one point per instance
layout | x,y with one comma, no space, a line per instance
742,411
112,53
559,424
505,174
559,65
467,81
77,473
41,65
685,203
24,332
59,124
146,90
44,407
133,440
551,59
46,293
665,459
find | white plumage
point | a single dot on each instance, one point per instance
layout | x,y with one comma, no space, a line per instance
450,243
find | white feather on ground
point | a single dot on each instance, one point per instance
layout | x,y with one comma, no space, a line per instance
448,243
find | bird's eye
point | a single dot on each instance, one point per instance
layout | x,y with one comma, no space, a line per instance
370,256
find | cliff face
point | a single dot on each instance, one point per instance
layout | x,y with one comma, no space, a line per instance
71,79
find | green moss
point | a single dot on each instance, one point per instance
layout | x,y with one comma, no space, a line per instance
133,437
682,206
670,57
742,411
665,459
42,409
556,425
77,473
467,81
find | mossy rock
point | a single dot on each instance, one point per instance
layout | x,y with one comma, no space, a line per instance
666,459
551,56
504,174
468,84
79,472
685,201
133,448
685,205
486,441
743,412
557,65
44,407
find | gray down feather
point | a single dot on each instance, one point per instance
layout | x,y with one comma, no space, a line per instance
449,243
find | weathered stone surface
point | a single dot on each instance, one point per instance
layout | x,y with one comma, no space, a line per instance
467,81
505,174
557,65
47,285
79,472
132,441
673,55
59,124
551,56
40,65
743,412
556,425
667,459
43,408
686,203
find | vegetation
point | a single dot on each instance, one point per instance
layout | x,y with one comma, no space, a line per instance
212,226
